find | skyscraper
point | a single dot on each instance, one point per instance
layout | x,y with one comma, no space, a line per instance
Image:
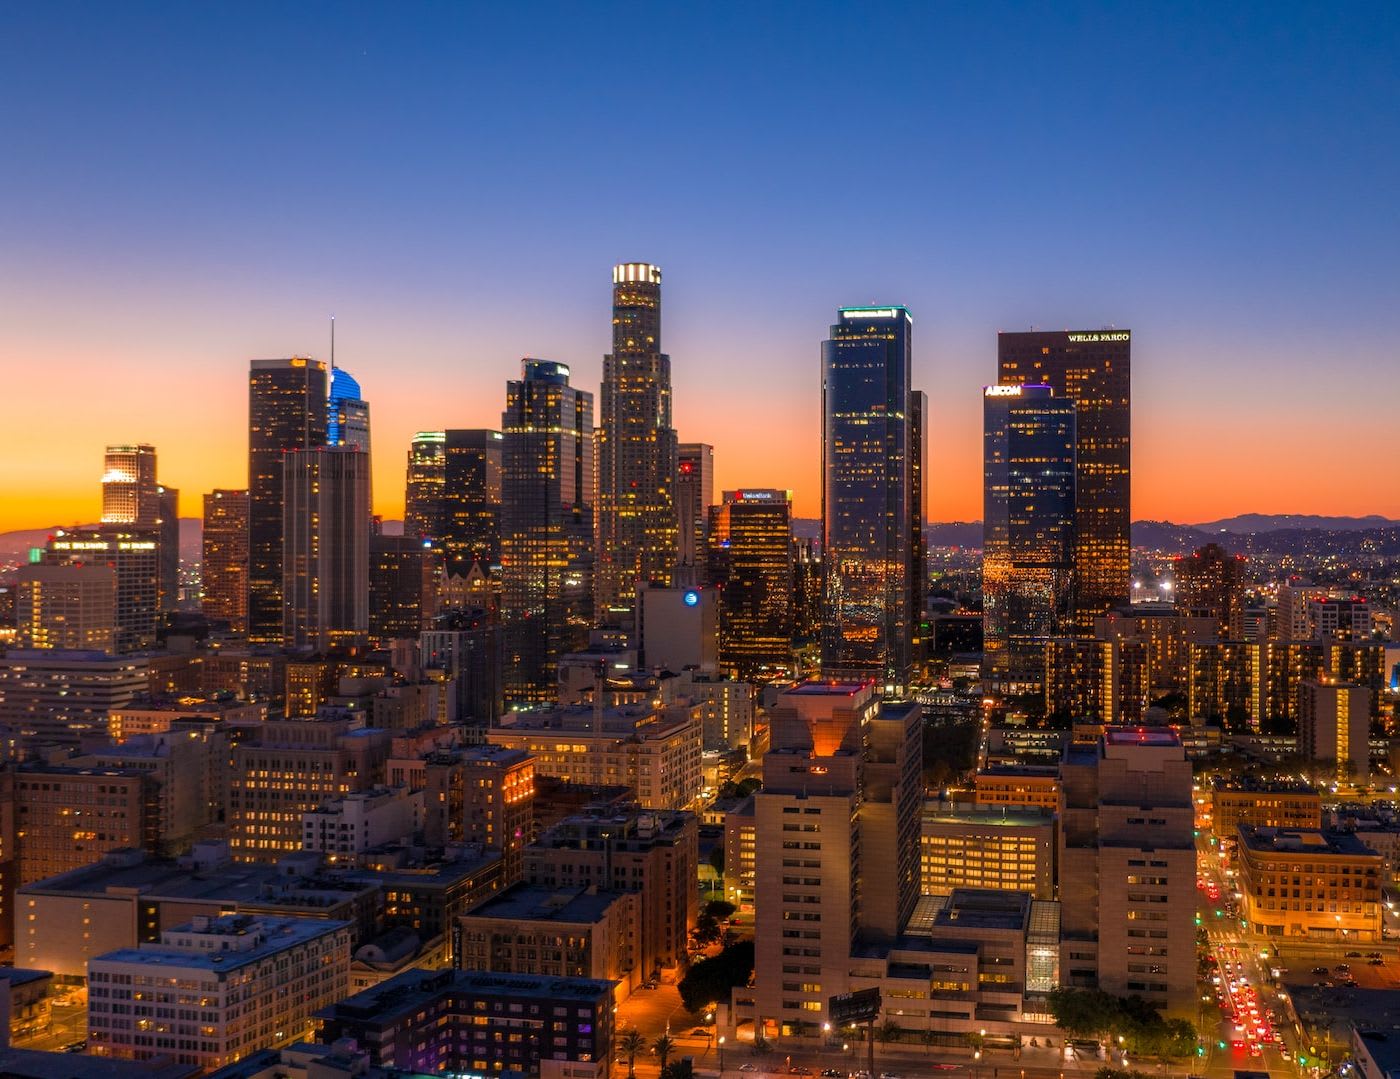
286,411
869,496
168,524
750,560
67,607
325,561
1027,530
695,494
133,552
918,546
224,577
1209,582
403,578
637,525
130,494
427,476
471,500
347,413
1092,369
546,527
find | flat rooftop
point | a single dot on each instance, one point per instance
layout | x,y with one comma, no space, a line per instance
281,934
36,1064
527,903
1307,841
988,817
412,989
826,689
1141,736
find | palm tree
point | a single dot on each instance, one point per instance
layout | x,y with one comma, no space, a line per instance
631,1044
662,1047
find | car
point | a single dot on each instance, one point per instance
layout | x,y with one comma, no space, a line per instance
1353,955
832,1073
1373,955
1376,962
798,1069
748,1067
1320,971
891,1075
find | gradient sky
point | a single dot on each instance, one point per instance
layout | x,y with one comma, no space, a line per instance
185,187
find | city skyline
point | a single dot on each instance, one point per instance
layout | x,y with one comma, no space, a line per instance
1225,199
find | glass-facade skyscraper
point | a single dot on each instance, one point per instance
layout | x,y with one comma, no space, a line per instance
637,523
1028,520
1093,369
750,562
546,527
286,411
347,413
325,562
695,495
130,493
871,497
471,501
427,477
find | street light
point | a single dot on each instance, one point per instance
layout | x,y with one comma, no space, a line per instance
721,1056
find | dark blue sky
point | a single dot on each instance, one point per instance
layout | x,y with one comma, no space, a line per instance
187,186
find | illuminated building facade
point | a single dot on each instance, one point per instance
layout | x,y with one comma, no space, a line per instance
427,479
72,607
637,523
60,696
224,577
483,796
546,527
987,848
325,561
1208,584
1335,726
347,413
134,554
286,411
1091,369
470,528
1028,521
1324,886
220,988
403,578
130,493
1262,805
750,561
695,495
869,498
464,645
289,767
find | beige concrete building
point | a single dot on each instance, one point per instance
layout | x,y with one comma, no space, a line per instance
652,854
1018,786
655,751
564,933
483,795
66,606
1002,849
1262,805
147,716
1312,884
740,844
1127,866
68,817
216,990
291,767
1335,725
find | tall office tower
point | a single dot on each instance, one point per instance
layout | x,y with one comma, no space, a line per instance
1127,860
471,500
637,525
224,577
918,545
403,580
836,829
133,552
67,607
1208,583
427,477
130,494
1335,725
750,561
464,645
286,411
546,527
1092,369
325,551
347,413
695,495
868,496
169,526
1027,530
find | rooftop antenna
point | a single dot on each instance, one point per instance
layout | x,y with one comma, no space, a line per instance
332,342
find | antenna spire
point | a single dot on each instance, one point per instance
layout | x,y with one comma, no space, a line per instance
332,342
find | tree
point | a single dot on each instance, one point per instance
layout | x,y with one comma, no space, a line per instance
663,1047
1083,1013
719,909
760,1045
680,1069
630,1044
888,1031
717,858
711,980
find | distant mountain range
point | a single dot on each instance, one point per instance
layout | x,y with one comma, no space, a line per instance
1280,522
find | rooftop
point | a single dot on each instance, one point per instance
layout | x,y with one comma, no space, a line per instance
1141,736
36,1064
251,940
1309,841
826,689
528,903
412,989
987,817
